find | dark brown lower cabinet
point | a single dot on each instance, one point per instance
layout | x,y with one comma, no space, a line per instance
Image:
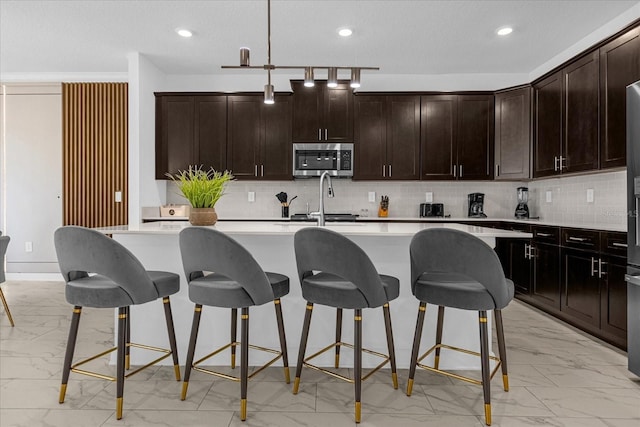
613,300
545,288
581,286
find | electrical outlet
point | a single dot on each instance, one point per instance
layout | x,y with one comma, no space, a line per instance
428,197
372,196
590,195
549,196
118,197
251,196
28,246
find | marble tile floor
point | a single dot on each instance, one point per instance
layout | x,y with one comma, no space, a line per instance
558,376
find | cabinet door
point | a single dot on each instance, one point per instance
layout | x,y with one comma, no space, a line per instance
619,67
403,137
438,125
277,151
370,137
581,286
307,113
338,114
581,131
211,131
520,265
512,134
174,134
547,126
475,137
613,299
245,135
546,275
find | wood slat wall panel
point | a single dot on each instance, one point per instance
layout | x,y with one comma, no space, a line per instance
95,153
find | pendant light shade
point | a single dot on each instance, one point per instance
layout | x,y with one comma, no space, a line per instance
355,77
268,94
244,57
308,77
332,80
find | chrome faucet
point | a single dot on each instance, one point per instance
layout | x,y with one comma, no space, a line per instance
320,213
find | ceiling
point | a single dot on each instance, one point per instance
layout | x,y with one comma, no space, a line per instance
401,37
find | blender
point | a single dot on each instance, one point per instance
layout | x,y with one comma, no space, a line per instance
522,210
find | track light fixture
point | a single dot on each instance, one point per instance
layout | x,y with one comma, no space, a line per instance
332,71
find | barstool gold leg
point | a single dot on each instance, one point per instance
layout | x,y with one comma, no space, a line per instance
6,308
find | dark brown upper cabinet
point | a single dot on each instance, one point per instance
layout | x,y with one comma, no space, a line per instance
547,125
619,67
513,134
457,137
190,130
387,137
566,134
321,113
580,150
259,137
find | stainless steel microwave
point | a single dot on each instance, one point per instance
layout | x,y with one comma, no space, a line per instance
312,159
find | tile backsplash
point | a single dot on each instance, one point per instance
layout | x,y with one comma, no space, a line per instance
568,204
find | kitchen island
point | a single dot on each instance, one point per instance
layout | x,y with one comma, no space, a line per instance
271,243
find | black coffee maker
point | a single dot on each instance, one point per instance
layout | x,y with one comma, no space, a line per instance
476,205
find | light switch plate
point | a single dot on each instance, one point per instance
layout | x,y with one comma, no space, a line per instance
28,246
590,195
251,196
372,196
118,197
549,196
428,196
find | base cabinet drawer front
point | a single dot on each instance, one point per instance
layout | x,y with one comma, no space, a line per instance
581,286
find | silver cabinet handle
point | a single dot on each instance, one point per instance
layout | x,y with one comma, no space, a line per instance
600,272
455,169
326,137
527,251
532,252
319,134
619,245
593,271
384,168
555,163
261,170
460,171
634,280
389,171
544,234
255,170
562,159
578,239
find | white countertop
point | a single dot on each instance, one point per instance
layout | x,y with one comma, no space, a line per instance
286,227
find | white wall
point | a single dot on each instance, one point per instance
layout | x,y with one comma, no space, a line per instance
144,190
31,174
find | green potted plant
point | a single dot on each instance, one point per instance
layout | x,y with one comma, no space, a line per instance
202,189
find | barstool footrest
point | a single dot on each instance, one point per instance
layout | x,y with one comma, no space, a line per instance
451,374
342,377
195,364
74,367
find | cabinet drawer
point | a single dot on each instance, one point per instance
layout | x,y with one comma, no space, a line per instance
581,239
545,234
614,243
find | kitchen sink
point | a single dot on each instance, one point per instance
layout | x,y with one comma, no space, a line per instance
329,217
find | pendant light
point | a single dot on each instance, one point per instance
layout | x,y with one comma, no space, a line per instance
332,71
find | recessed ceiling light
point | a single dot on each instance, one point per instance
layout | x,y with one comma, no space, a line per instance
345,32
504,31
184,32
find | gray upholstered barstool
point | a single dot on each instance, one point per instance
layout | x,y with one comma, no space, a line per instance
101,273
334,271
4,242
222,273
451,268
